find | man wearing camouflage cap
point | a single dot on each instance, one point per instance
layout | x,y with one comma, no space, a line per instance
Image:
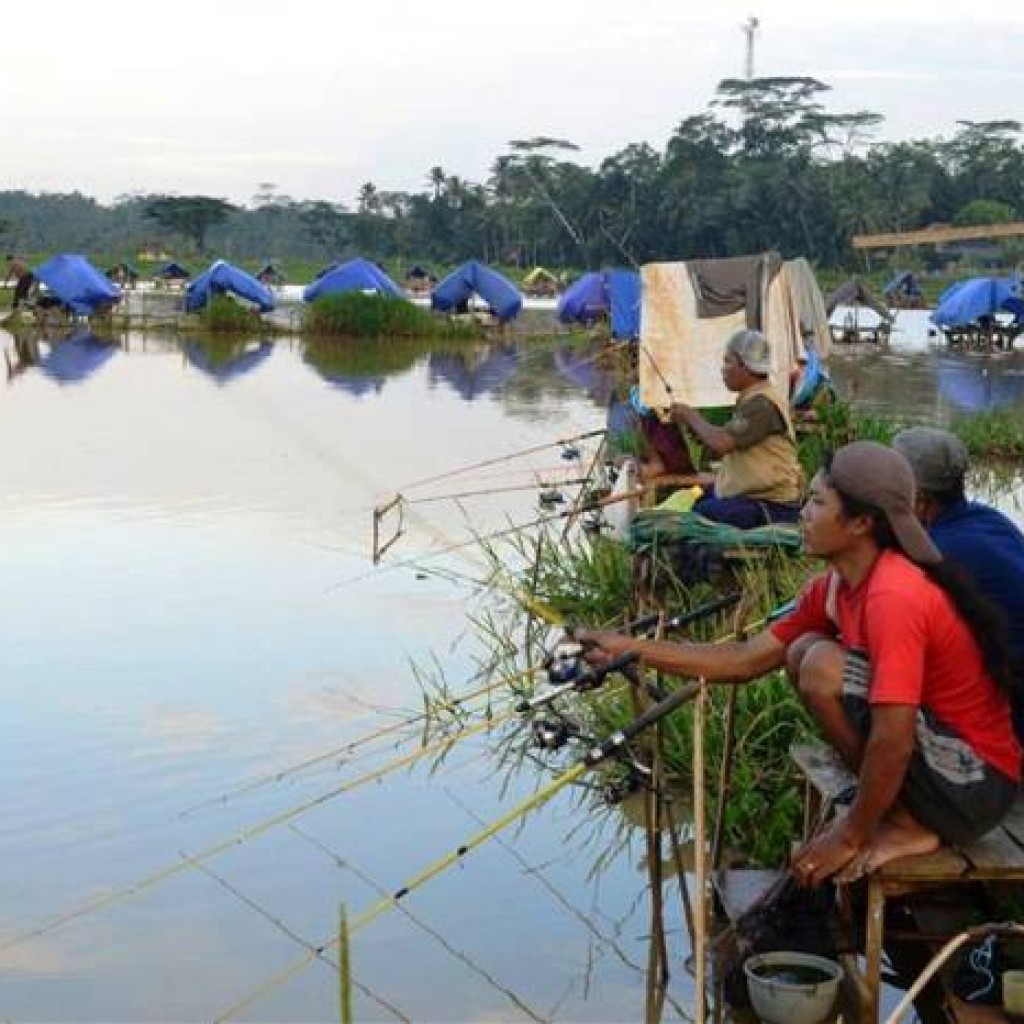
979,539
759,479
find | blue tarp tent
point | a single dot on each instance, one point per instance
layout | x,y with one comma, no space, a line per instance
224,366
173,271
356,275
73,360
965,301
221,278
611,293
455,291
904,283
78,284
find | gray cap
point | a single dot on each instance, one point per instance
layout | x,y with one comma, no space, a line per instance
939,459
751,349
882,477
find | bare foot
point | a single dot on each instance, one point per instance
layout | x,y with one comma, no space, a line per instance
902,837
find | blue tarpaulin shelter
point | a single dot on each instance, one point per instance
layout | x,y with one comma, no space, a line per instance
904,283
455,291
611,293
222,278
74,359
965,301
78,284
225,367
173,271
356,275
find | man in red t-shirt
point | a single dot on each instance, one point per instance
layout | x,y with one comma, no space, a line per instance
900,663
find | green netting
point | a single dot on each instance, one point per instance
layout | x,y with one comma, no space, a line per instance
656,527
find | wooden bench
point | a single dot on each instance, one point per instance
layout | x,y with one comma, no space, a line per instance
995,857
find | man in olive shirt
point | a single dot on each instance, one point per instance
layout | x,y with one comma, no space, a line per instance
759,479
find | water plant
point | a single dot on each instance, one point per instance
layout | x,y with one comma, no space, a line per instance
358,315
223,315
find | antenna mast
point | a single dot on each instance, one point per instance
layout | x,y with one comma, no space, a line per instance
750,27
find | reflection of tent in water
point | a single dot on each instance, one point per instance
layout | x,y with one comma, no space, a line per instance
224,363
76,358
964,302
614,294
470,377
356,275
582,370
269,274
78,284
222,278
358,367
452,295
979,386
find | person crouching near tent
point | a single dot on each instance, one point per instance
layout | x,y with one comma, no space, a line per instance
759,478
899,659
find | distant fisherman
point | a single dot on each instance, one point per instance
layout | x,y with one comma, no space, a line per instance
759,479
23,279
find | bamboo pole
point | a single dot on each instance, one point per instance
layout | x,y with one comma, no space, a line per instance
700,857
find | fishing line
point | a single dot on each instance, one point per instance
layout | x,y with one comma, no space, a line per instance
536,485
389,902
150,881
294,936
436,935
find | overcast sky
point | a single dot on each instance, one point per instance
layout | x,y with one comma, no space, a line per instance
215,96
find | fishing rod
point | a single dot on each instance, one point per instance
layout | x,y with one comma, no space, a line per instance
594,756
568,445
251,832
507,489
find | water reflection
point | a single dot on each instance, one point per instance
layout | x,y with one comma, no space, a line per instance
480,371
225,361
69,360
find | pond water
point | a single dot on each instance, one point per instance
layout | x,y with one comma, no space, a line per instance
194,631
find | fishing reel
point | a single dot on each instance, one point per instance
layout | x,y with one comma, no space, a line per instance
552,733
565,664
548,499
593,522
615,790
571,452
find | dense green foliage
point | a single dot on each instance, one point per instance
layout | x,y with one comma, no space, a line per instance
223,315
358,315
764,166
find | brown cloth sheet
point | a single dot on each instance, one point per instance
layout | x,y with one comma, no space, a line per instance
729,285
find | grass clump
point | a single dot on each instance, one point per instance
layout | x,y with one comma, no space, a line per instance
358,315
223,315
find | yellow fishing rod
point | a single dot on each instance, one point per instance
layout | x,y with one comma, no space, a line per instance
251,832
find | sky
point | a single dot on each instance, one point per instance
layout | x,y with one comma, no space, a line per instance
214,97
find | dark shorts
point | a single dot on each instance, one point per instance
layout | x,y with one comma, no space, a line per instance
745,513
947,788
22,287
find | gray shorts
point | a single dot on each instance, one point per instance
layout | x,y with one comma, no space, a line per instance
947,788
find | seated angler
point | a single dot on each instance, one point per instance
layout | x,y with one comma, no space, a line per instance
758,480
984,543
899,659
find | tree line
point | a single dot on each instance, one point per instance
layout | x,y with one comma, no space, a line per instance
764,166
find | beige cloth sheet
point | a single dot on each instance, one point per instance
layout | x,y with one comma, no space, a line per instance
681,355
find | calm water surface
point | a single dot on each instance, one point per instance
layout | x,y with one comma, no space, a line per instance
190,612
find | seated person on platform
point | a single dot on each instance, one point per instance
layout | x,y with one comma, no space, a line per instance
664,452
899,659
759,478
979,539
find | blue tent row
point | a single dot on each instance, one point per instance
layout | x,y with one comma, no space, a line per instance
964,302
78,284
355,275
611,293
222,278
455,291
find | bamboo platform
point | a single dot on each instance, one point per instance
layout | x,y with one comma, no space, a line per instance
997,857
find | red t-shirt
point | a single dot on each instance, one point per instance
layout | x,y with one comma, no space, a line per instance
920,651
